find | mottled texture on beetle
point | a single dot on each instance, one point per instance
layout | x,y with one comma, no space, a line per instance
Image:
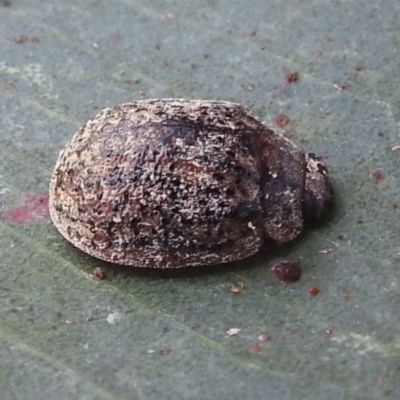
171,183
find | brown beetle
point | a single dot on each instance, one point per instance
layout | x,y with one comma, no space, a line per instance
170,183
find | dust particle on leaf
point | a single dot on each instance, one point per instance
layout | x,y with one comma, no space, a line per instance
114,318
172,15
233,331
255,349
20,39
99,274
340,86
318,53
263,337
292,77
282,120
287,271
377,176
326,250
116,36
237,288
164,352
313,291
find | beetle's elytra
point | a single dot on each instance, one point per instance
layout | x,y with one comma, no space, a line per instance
171,183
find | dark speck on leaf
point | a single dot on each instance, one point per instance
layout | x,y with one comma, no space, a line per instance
287,271
282,120
292,77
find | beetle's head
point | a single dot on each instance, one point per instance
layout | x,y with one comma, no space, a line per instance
317,196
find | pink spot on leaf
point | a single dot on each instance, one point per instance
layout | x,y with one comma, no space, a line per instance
377,176
33,205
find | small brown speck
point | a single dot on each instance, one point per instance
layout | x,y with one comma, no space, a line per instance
20,39
287,271
359,68
99,274
313,291
89,319
263,337
282,120
329,331
377,176
327,250
157,46
69,321
130,81
253,33
292,77
164,352
340,86
237,288
318,53
255,349
116,36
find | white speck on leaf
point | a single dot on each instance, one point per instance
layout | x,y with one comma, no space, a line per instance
326,250
114,318
233,331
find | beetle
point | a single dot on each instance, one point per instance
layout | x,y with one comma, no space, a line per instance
171,183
